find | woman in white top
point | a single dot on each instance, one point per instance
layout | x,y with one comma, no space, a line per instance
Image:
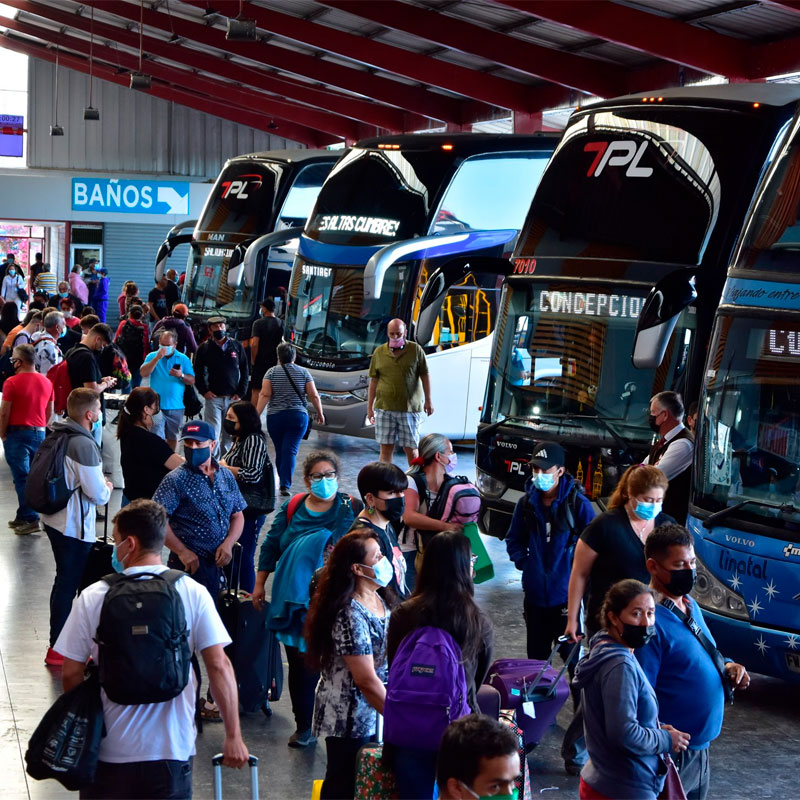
12,283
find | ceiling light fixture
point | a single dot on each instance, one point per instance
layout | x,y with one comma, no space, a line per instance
241,28
55,128
138,79
90,113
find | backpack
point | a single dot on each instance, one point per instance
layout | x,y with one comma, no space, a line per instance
142,638
62,385
117,365
567,511
6,367
427,689
46,489
131,341
456,501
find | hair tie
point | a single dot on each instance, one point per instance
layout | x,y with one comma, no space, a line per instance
419,461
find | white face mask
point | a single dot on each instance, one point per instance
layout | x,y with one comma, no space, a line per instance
383,571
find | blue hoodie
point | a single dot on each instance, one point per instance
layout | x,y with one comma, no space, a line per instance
620,720
546,565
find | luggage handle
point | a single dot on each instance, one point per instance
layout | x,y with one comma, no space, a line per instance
230,589
551,691
216,762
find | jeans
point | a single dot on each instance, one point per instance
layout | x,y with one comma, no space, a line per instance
150,779
100,308
248,539
340,774
544,625
415,770
71,556
302,688
21,444
207,573
286,429
214,412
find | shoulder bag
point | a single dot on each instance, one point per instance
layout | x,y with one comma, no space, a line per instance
302,400
673,787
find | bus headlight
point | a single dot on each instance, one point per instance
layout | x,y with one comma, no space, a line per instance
361,394
489,485
713,594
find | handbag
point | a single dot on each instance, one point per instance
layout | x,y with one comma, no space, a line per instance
673,787
192,404
66,743
302,400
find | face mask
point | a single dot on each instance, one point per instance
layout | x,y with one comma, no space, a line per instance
229,426
383,571
63,294
395,508
96,425
324,488
62,332
396,344
648,510
636,636
452,464
195,456
169,351
67,314
218,335
681,581
513,796
651,421
12,272
544,481
118,565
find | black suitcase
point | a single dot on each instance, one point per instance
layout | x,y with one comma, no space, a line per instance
255,651
98,564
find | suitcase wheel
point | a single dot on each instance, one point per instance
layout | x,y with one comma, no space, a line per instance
266,709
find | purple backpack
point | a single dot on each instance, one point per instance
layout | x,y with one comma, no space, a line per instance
427,689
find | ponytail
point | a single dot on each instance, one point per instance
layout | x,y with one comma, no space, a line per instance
635,481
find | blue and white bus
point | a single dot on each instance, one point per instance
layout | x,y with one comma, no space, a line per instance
410,226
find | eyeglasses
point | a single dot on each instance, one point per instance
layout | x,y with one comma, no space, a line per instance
318,476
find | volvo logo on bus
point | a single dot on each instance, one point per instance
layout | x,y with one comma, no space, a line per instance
242,187
626,153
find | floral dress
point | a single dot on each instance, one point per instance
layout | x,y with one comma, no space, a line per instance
340,709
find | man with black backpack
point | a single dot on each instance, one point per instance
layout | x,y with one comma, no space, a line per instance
546,523
140,627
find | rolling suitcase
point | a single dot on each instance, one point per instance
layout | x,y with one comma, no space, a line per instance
255,651
534,689
374,778
524,780
216,762
98,564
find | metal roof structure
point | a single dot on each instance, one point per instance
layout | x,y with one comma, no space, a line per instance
322,71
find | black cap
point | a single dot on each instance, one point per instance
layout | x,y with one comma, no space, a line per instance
547,455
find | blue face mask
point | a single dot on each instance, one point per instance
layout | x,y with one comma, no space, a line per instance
648,510
324,488
115,562
63,294
195,456
97,425
544,481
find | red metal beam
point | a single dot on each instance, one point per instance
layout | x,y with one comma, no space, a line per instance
182,97
353,108
247,100
584,74
427,70
380,90
650,33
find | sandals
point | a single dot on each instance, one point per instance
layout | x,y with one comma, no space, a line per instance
209,712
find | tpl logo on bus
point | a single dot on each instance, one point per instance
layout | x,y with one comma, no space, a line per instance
241,187
626,153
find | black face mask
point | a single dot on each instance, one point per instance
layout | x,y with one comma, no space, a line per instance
636,636
218,335
681,581
229,426
395,508
651,421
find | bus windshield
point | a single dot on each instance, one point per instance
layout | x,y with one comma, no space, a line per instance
557,357
750,422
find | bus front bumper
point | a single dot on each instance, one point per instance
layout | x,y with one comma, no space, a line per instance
345,414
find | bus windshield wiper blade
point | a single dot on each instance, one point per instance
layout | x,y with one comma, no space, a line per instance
621,442
713,519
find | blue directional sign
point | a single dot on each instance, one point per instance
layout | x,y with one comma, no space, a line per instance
130,197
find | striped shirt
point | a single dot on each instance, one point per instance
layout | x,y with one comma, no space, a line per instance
284,397
250,455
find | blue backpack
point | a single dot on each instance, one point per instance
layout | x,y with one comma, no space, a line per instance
427,689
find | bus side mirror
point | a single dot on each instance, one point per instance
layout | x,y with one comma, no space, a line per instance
236,266
659,315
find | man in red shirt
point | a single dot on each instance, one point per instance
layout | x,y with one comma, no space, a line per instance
26,409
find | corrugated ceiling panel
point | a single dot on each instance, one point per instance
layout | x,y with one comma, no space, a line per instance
548,33
618,54
488,14
756,22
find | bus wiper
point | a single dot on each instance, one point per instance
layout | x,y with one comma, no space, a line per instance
622,443
713,519
490,429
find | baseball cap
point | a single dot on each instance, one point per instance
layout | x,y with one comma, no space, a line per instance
199,430
547,455
216,320
181,309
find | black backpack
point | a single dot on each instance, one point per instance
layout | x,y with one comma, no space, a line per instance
131,341
142,638
567,511
6,367
46,489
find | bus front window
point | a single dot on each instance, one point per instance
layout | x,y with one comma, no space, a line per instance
329,315
750,422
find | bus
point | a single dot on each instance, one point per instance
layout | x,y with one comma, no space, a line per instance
625,251
410,227
244,241
744,509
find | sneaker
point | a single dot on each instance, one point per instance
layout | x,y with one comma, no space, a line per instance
27,527
573,767
285,491
15,523
302,739
53,659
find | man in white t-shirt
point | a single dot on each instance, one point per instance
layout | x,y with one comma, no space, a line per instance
147,750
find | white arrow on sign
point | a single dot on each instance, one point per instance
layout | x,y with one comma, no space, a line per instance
178,203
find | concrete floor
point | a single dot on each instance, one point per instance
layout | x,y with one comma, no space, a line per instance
756,755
